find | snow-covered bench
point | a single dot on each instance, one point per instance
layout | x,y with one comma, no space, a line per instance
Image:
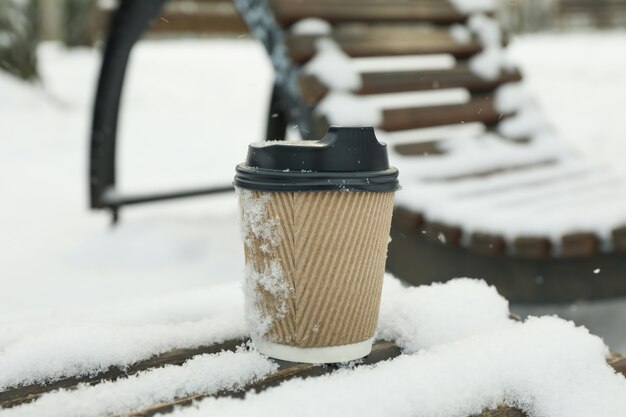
285,371
441,350
498,196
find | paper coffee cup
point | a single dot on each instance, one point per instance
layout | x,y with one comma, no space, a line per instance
315,243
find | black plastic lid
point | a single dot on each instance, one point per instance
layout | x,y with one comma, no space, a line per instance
346,159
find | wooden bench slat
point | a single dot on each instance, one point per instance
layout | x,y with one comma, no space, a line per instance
313,90
443,233
219,17
619,239
290,11
381,351
407,219
531,247
419,149
27,393
478,109
383,42
579,244
487,244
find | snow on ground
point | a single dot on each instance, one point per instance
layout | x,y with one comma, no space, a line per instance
578,79
190,109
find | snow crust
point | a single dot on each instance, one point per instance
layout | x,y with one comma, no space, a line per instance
260,230
345,109
460,33
474,6
566,195
427,316
333,67
492,60
311,26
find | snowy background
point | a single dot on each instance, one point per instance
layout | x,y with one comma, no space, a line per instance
189,110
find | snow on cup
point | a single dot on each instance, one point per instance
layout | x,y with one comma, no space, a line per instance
315,219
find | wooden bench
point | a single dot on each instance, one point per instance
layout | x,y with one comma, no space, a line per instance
529,266
382,351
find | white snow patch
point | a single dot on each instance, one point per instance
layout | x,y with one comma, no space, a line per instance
262,231
486,29
423,317
526,123
474,6
312,26
345,109
492,60
333,67
256,225
460,33
511,97
489,63
48,349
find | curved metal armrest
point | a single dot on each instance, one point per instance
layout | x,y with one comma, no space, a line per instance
128,23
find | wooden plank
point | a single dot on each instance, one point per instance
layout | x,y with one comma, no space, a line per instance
290,11
443,233
531,247
418,260
313,90
487,244
407,219
28,393
419,148
214,17
384,41
579,245
478,109
381,351
619,239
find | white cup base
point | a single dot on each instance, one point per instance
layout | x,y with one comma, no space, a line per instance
330,354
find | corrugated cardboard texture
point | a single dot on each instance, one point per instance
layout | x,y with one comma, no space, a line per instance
332,250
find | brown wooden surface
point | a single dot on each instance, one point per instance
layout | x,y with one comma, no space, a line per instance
478,109
487,244
384,41
214,17
532,247
443,233
419,148
381,351
290,11
579,244
410,221
619,239
419,260
27,393
313,90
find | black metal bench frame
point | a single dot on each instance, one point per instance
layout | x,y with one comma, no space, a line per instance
128,23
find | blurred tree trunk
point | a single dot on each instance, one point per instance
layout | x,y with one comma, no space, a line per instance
19,36
78,16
